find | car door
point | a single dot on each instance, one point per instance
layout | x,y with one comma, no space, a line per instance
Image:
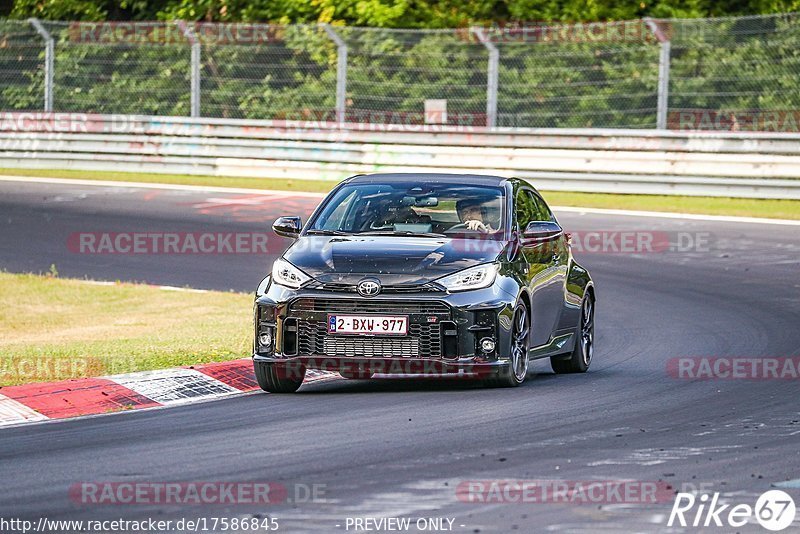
544,267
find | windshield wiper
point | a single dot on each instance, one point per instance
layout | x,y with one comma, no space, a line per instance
327,232
401,232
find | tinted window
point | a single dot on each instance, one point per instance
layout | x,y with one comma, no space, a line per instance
530,207
524,208
335,218
541,211
442,208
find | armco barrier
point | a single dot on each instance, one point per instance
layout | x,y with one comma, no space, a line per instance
755,165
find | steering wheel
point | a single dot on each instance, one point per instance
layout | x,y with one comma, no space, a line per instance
457,227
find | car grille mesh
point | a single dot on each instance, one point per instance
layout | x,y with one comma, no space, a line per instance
423,339
385,290
396,307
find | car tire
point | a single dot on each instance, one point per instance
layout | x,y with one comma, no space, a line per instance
278,378
515,373
579,360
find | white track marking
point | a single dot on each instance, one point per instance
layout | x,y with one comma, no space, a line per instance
175,187
13,412
165,288
650,457
671,215
183,289
794,484
286,194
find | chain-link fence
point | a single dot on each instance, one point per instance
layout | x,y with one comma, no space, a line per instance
728,73
22,67
736,73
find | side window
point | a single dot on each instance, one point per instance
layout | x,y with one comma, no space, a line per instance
524,209
541,211
335,220
530,207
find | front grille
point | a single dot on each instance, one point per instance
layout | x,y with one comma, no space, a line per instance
424,338
394,307
385,290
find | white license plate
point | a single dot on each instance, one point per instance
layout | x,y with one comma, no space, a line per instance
368,324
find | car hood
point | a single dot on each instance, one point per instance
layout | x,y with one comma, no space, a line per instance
391,259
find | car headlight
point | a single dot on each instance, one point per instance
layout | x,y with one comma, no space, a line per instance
476,277
286,274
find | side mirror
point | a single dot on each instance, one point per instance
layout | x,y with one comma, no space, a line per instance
542,231
287,226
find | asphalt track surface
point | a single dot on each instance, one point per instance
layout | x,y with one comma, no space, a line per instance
400,447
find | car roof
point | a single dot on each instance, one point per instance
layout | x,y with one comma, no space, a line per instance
465,179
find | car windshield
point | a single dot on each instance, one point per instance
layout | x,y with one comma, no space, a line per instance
413,209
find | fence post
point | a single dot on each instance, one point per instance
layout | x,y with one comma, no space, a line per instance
188,32
663,73
341,73
491,76
49,59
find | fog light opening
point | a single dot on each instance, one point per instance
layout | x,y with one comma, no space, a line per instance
265,339
487,345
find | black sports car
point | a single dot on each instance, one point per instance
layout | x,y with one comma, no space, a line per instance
424,273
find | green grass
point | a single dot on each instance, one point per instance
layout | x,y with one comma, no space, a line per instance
55,329
741,207
774,209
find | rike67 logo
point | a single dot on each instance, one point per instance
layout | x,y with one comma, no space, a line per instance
774,510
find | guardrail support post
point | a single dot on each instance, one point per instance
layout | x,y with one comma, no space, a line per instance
195,67
49,62
341,73
195,79
491,76
663,73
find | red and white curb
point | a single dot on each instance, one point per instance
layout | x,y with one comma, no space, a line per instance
38,402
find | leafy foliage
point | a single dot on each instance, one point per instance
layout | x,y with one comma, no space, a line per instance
387,13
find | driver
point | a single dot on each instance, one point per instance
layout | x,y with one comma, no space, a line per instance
472,213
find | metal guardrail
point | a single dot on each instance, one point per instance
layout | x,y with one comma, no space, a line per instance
620,161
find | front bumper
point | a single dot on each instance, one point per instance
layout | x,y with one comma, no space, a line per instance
445,331
463,367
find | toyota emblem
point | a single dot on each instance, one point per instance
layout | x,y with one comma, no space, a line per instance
368,288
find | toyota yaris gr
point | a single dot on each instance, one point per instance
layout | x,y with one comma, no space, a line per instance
424,274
